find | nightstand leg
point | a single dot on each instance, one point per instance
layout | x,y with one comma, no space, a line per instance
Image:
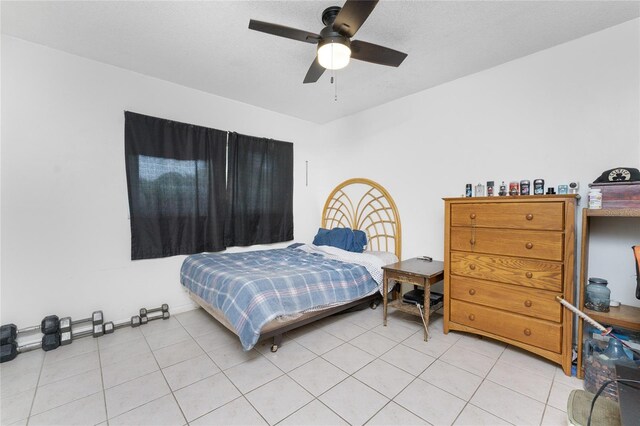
385,296
427,310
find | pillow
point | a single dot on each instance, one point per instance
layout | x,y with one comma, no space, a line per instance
342,238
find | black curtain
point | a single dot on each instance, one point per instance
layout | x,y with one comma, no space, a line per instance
259,191
176,183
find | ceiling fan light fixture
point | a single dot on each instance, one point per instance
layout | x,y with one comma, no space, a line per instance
334,53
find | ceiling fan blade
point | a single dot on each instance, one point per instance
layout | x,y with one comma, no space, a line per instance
352,16
282,31
314,73
370,52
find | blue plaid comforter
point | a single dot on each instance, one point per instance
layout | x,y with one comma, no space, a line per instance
252,288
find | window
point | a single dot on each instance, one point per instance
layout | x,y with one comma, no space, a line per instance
182,200
176,183
259,191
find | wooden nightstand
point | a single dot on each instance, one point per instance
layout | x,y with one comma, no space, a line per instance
417,272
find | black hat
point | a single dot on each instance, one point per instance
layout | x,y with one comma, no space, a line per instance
619,174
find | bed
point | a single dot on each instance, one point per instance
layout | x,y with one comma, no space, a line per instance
263,294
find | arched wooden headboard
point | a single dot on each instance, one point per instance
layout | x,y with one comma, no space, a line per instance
374,213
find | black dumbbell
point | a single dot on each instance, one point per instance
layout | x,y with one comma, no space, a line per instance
110,326
11,350
145,311
9,332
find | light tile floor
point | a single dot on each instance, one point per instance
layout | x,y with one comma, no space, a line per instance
346,369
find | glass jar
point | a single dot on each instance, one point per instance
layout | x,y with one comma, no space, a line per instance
598,295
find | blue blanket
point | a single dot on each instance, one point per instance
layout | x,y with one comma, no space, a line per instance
252,288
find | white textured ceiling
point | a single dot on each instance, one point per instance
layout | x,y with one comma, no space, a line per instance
207,45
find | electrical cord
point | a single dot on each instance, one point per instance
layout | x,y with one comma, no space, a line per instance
602,388
419,306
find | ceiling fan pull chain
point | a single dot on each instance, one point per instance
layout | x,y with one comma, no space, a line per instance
335,87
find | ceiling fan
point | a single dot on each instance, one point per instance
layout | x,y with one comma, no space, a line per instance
335,46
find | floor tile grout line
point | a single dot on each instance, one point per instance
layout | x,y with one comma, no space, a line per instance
35,393
485,379
165,378
474,393
315,398
128,381
57,381
317,356
242,394
66,403
466,402
104,393
68,377
517,391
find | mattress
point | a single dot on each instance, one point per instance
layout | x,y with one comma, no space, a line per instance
250,289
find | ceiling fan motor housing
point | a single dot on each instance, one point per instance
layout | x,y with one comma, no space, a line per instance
328,35
329,14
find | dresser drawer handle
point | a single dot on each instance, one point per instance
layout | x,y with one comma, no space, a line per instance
529,245
527,332
529,216
472,317
472,291
472,266
472,241
529,275
527,303
472,215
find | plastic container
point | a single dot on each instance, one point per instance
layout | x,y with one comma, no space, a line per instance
490,185
600,365
514,188
595,198
538,187
503,190
598,295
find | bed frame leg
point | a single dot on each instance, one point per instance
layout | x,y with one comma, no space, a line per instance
277,341
374,303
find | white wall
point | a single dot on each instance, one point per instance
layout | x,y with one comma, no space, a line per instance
65,227
564,114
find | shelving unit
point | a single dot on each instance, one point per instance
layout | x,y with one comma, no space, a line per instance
624,316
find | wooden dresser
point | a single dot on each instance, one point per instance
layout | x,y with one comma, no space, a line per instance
506,258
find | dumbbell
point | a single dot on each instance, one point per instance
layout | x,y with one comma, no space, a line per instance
67,335
110,326
164,315
11,350
145,311
9,332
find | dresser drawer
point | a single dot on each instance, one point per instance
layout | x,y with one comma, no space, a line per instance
533,303
513,242
532,331
541,216
511,270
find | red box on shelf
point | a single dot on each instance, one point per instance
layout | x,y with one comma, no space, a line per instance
617,195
